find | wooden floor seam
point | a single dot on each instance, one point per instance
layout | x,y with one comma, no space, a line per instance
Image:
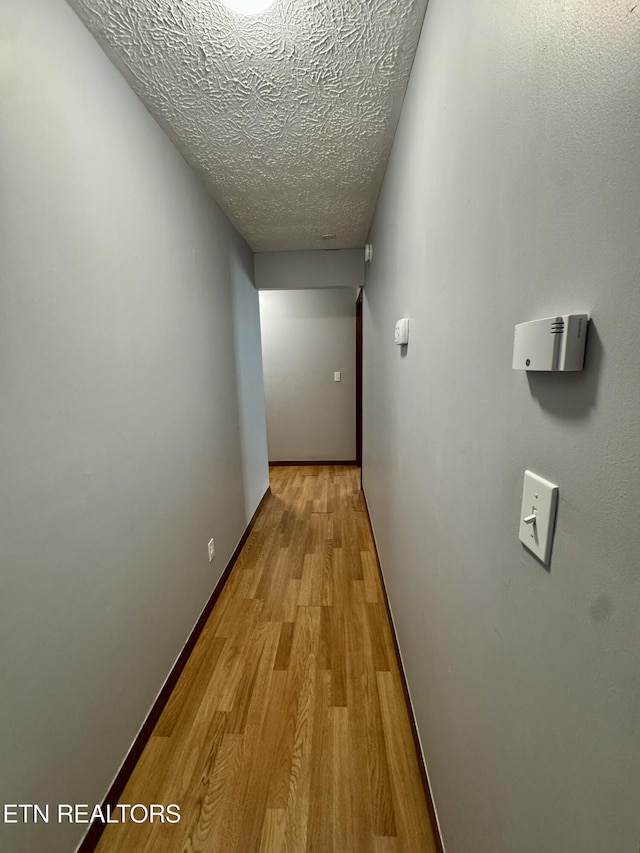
288,728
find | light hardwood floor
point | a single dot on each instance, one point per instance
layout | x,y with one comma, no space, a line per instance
288,728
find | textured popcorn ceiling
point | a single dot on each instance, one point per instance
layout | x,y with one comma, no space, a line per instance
288,117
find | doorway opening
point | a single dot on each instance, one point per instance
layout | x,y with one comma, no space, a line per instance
312,364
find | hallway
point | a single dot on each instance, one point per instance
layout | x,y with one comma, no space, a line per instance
288,728
193,196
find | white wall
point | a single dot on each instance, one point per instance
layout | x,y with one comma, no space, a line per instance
296,270
250,381
306,336
513,192
129,392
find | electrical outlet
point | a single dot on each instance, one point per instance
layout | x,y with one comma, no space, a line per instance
212,550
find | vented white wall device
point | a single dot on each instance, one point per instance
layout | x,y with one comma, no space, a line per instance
402,332
555,343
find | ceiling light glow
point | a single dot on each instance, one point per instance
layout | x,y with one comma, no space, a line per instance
248,7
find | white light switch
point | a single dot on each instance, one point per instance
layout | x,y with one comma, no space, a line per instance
538,515
337,376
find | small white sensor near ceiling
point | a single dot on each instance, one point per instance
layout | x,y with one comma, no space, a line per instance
248,7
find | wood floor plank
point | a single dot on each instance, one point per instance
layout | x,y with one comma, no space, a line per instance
235,656
221,794
367,717
321,817
324,644
284,646
371,576
300,772
379,636
411,808
197,801
287,612
350,546
360,744
297,545
273,830
147,784
338,640
237,717
386,845
262,757
342,822
310,588
191,687
288,729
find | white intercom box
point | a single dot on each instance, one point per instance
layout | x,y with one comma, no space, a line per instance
555,343
402,332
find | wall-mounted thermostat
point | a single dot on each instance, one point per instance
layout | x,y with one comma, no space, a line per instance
402,332
555,343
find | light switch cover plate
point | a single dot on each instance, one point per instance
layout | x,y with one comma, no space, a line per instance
539,497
